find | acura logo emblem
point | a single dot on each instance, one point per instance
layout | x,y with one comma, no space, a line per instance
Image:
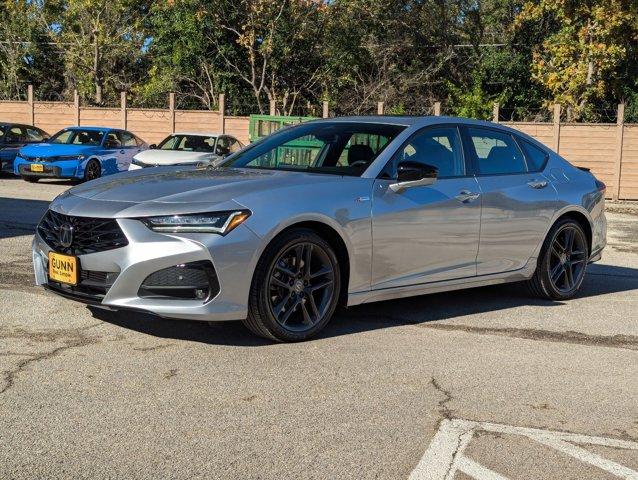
66,235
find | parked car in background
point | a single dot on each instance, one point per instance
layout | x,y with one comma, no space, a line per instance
81,153
14,136
341,211
188,149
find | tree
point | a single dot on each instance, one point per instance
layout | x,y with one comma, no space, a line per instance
103,42
273,49
585,45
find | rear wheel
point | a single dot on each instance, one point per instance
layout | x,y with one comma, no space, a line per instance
563,262
295,288
92,170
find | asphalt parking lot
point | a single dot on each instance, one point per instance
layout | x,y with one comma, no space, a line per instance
487,383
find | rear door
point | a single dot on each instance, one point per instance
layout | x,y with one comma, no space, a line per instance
114,157
518,201
427,233
131,148
14,139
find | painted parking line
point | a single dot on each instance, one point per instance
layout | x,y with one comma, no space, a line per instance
445,455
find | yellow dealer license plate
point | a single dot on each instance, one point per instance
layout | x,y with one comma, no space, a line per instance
63,268
37,167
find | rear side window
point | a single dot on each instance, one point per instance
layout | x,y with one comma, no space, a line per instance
497,153
536,157
128,139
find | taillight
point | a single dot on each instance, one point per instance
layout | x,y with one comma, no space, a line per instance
600,186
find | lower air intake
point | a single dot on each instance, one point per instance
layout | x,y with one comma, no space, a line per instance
188,281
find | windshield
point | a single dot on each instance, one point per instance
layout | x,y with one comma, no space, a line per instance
339,148
78,137
188,143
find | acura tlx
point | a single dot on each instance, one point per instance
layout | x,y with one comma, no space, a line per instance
326,213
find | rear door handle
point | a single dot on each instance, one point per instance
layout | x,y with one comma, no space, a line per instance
537,184
122,151
466,196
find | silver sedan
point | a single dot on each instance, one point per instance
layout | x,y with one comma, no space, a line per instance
329,212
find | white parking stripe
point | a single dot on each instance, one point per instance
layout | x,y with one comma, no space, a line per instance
475,470
590,457
449,441
444,457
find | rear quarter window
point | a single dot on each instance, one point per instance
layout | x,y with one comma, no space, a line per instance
536,157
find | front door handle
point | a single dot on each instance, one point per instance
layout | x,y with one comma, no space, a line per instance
466,196
122,151
537,184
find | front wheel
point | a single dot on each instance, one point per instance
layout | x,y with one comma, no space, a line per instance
92,170
295,287
563,262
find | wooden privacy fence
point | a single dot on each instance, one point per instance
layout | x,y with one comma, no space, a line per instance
610,150
150,124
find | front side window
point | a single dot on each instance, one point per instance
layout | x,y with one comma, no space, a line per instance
340,148
439,147
497,153
189,143
78,137
34,135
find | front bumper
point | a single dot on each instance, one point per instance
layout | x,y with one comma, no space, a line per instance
60,169
233,257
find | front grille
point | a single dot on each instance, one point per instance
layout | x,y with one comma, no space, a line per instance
90,235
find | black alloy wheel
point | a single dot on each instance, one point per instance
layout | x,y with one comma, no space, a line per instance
562,262
295,288
568,259
301,286
92,170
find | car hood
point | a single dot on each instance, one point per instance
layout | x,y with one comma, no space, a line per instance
171,157
55,149
170,190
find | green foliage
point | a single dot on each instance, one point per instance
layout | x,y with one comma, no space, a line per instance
524,54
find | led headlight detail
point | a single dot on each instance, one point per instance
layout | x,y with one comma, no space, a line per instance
215,222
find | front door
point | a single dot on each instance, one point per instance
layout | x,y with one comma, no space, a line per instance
426,233
518,202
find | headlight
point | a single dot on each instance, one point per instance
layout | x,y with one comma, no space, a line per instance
216,222
138,163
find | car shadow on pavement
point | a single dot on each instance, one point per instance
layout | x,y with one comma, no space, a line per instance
600,280
19,216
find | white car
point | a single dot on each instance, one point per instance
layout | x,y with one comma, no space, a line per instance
187,149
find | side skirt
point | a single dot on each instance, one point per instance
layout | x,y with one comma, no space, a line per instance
522,274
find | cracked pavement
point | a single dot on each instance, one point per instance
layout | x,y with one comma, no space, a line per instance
98,394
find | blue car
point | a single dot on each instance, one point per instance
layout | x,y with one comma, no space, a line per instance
80,153
14,136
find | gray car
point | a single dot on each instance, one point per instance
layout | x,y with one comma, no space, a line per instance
342,211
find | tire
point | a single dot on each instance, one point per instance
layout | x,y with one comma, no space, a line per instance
292,299
31,179
92,170
562,263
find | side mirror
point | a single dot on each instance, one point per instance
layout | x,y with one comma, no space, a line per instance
414,174
45,139
152,146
